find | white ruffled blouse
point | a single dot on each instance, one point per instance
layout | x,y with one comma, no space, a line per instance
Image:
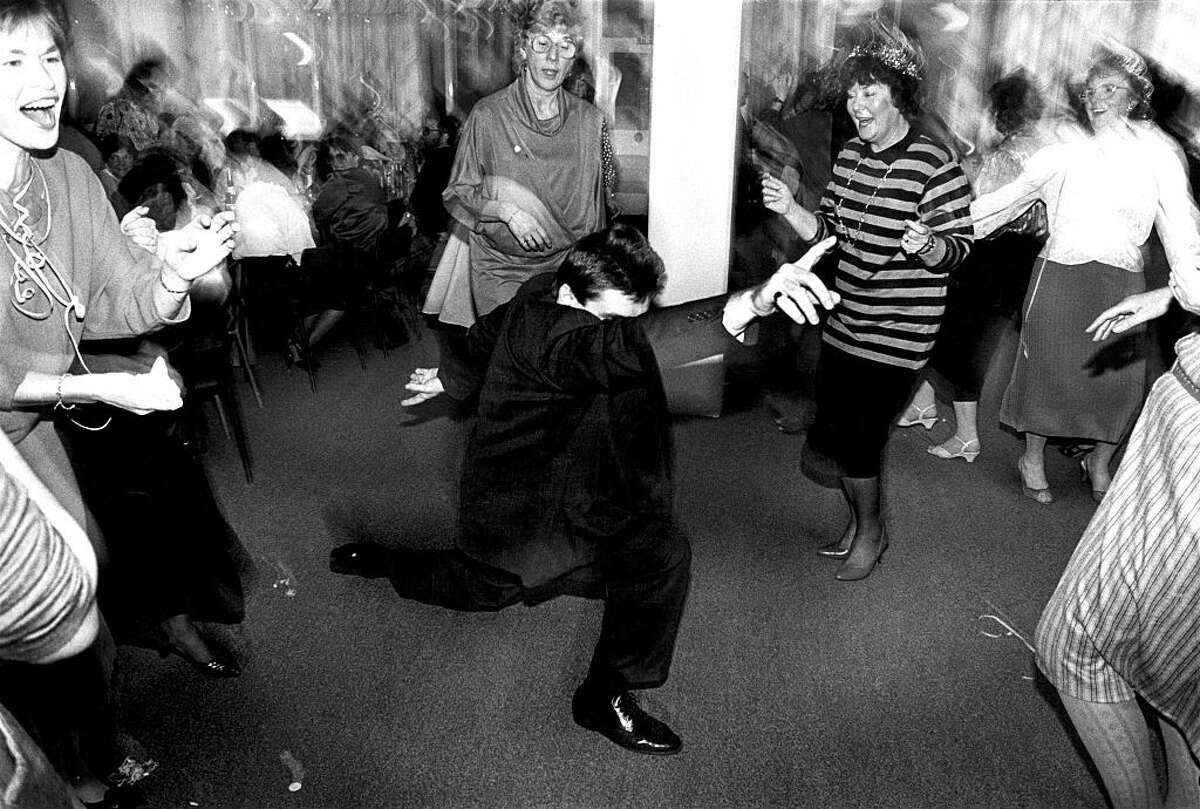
1103,193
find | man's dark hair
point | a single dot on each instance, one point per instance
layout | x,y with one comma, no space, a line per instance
618,257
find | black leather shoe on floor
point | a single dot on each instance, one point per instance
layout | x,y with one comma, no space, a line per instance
618,717
364,559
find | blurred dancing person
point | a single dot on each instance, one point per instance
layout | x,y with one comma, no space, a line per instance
566,483
993,279
1121,626
1103,192
898,206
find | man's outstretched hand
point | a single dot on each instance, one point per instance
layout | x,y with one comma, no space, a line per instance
424,385
796,290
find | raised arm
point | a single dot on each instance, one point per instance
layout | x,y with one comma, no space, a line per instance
993,210
778,198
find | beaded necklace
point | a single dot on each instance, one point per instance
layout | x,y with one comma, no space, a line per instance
837,206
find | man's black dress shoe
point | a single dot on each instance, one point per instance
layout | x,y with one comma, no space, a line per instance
618,717
364,559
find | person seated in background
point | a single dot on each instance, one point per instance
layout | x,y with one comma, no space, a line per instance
361,235
566,484
439,136
119,156
272,213
275,228
351,209
154,182
135,112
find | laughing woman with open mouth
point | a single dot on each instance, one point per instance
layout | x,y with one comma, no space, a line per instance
898,204
69,273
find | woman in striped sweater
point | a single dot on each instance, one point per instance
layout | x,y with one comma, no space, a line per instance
898,204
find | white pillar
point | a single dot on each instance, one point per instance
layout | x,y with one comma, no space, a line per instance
693,131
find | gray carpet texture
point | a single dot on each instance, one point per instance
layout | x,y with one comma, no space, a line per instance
790,689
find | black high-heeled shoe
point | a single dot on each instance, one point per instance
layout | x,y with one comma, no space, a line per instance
298,355
855,571
221,665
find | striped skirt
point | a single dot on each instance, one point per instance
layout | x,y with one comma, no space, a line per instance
1125,618
1062,383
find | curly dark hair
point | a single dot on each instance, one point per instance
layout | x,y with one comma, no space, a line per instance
865,69
1015,102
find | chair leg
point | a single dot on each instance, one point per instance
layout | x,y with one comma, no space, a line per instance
247,370
221,415
239,436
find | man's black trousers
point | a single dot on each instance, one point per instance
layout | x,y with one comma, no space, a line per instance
643,582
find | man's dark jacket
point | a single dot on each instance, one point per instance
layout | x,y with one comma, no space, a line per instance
571,449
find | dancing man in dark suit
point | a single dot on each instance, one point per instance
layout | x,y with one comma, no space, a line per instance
567,480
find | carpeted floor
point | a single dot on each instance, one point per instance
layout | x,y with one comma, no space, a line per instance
789,688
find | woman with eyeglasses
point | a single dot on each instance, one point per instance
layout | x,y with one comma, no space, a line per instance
1103,193
528,179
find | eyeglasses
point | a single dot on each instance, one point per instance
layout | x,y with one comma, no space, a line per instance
1103,92
542,44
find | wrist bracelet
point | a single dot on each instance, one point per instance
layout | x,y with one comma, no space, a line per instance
58,394
925,248
163,284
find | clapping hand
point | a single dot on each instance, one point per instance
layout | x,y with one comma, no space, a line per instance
424,384
140,228
200,245
143,393
776,195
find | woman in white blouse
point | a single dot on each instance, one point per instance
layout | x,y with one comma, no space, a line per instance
1103,193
